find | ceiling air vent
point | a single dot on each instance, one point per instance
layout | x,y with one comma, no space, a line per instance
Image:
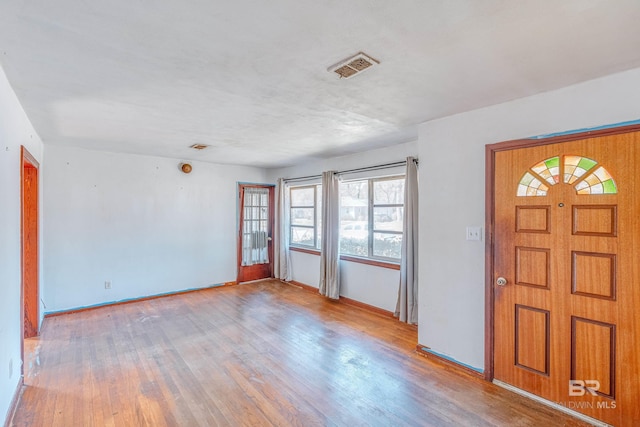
199,146
354,65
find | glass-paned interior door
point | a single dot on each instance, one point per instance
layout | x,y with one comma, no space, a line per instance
256,223
255,230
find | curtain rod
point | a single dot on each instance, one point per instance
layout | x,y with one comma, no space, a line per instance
376,167
366,168
302,178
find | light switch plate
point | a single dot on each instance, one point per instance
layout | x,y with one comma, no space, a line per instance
474,233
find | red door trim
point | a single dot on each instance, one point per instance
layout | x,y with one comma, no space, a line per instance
490,151
29,292
241,186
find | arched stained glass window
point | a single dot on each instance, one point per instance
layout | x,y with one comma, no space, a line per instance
585,174
599,182
575,167
549,170
531,186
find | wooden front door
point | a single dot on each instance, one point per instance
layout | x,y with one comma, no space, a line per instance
255,243
566,276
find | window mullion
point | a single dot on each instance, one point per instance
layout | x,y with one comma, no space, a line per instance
290,215
315,216
370,222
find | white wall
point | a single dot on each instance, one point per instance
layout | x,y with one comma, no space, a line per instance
15,130
305,268
375,286
451,295
371,285
137,221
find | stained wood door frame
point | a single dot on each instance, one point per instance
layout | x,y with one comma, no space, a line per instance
29,287
241,187
490,152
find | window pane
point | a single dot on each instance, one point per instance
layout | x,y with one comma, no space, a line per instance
387,245
302,196
387,219
354,205
302,236
388,192
354,242
302,216
354,217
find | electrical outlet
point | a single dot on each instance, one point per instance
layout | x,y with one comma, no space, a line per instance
107,284
10,368
474,233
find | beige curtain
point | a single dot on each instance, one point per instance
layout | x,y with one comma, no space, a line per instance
407,305
330,245
282,258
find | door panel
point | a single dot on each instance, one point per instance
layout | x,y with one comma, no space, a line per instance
593,353
532,339
255,233
593,275
532,267
566,239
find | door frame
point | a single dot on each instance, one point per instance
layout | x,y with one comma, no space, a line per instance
240,219
28,161
490,152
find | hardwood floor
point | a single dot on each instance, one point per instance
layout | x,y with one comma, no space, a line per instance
256,354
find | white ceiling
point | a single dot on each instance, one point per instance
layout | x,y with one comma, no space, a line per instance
249,77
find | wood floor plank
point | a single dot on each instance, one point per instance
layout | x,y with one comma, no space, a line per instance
264,353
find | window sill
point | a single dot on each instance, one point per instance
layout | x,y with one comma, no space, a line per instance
370,261
304,250
350,258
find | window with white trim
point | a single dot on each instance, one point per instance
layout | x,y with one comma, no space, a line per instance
371,216
304,217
